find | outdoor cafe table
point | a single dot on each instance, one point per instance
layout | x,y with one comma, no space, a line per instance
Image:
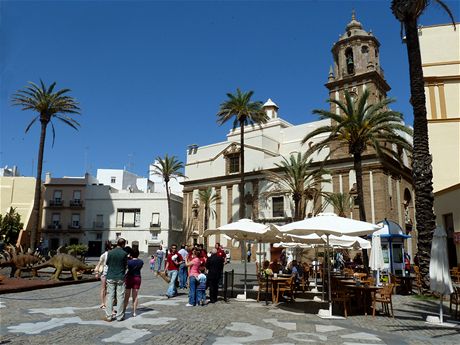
275,281
362,292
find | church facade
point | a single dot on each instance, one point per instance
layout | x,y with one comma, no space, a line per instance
388,191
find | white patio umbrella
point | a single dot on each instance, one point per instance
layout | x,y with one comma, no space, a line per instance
329,224
439,267
244,230
376,262
346,241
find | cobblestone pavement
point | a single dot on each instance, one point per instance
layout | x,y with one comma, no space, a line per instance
71,315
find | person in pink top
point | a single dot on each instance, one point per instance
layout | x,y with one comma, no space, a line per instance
193,263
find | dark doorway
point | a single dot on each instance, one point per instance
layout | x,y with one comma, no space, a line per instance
135,245
94,248
54,243
451,250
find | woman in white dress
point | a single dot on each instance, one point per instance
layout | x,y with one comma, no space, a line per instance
101,272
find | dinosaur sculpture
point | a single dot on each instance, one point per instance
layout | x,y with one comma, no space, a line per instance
18,262
63,262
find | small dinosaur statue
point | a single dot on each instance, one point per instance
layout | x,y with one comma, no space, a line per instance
18,262
63,262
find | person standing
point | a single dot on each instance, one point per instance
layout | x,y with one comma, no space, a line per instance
249,255
101,272
193,264
160,254
117,261
201,287
215,266
183,268
173,261
133,280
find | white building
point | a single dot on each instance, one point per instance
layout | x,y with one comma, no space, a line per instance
116,204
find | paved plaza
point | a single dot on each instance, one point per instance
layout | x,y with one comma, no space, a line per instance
71,315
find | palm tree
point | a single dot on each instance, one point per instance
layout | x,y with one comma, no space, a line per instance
206,198
297,178
168,168
361,125
408,12
342,202
49,105
243,111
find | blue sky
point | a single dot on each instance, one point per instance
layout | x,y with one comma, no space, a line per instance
150,75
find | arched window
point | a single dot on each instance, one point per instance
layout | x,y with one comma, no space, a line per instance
349,61
365,52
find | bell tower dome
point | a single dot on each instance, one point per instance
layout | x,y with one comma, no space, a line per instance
356,64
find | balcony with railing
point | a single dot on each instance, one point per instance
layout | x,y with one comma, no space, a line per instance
56,203
54,226
75,226
98,225
155,225
76,203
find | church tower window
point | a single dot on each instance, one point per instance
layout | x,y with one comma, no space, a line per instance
349,61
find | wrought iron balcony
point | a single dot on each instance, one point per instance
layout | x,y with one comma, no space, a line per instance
74,226
155,225
76,203
55,226
98,225
56,203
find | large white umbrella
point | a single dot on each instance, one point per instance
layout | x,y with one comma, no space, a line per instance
376,262
440,281
346,241
245,230
329,224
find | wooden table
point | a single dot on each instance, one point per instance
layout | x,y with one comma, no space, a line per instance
275,282
363,291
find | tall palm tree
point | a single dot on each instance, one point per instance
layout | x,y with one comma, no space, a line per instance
342,202
243,112
408,12
297,178
207,197
168,168
358,126
49,104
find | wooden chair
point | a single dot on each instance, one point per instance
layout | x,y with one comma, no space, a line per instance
455,274
264,288
384,296
369,281
341,295
286,286
395,281
455,299
348,272
360,276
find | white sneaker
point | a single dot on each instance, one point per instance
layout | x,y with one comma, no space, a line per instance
189,305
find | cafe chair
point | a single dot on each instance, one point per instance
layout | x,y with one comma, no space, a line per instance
264,288
455,299
360,276
285,287
396,281
384,296
342,295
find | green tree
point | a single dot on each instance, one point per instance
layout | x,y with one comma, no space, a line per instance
408,12
243,112
168,168
207,197
297,178
342,202
360,125
10,226
49,104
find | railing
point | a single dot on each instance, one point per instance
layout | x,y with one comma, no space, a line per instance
55,202
76,203
54,226
74,226
155,225
98,225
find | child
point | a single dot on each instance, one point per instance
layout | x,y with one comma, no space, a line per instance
152,263
201,289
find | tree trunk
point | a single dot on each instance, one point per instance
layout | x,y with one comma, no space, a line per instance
421,166
38,188
359,185
362,211
297,208
206,220
168,197
241,212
